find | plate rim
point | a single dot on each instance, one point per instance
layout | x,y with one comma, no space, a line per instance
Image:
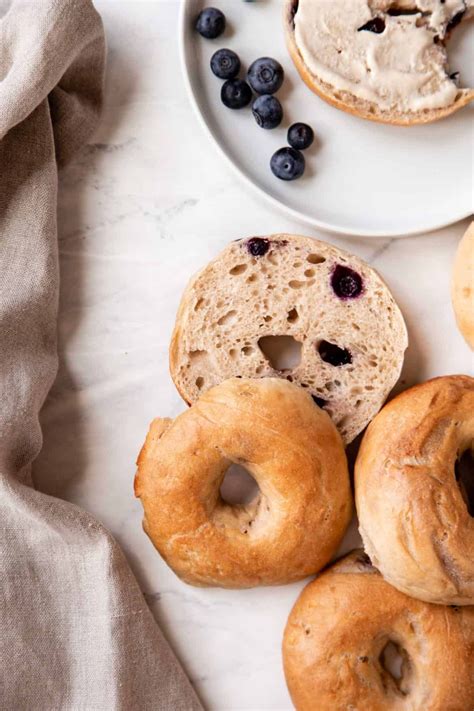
297,215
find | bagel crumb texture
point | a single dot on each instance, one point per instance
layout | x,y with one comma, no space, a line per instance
349,331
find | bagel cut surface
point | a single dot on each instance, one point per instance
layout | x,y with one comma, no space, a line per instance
343,636
334,307
294,452
415,518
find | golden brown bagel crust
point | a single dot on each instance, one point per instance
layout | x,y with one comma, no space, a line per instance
462,290
351,104
294,452
339,627
413,520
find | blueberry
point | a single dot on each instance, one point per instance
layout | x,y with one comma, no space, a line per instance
287,164
345,282
267,111
376,25
334,355
300,136
210,23
265,75
225,64
258,246
235,94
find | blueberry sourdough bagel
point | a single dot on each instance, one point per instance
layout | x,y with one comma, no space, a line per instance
462,286
341,315
295,523
378,59
346,631
416,519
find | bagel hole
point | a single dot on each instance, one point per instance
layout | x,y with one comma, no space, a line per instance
395,662
238,488
282,352
464,470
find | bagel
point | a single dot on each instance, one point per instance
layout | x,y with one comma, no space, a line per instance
380,60
414,521
294,452
332,305
342,636
462,288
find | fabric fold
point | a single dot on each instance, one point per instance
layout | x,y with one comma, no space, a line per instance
76,632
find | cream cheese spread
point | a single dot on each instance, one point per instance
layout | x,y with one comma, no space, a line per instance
400,66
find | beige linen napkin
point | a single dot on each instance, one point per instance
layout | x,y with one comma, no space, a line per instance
75,632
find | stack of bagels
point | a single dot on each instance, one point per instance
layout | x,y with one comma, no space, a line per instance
409,594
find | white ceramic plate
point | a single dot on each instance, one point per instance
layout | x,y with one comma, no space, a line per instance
361,178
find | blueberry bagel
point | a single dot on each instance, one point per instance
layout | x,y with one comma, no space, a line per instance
343,331
414,483
382,60
354,642
290,446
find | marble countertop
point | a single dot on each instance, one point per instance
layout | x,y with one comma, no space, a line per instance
146,204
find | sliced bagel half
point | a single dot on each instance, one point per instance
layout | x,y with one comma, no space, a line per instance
377,59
